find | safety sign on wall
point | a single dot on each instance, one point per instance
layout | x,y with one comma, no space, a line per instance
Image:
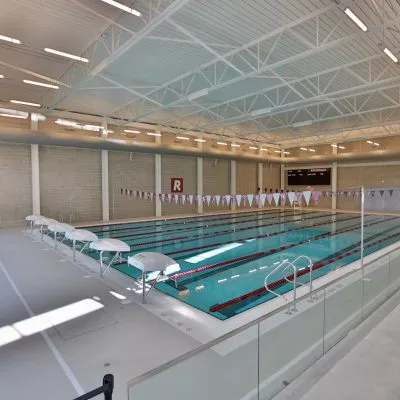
176,185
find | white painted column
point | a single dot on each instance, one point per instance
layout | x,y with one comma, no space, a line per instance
105,189
283,171
35,172
233,182
157,177
334,179
200,184
260,179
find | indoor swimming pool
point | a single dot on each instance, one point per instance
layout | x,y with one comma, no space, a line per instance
225,258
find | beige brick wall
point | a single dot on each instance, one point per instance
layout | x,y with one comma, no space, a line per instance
217,179
70,181
178,167
271,177
132,171
15,183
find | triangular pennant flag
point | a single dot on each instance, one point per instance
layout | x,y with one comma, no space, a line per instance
299,197
169,197
190,198
217,199
208,198
228,199
263,197
257,199
315,196
269,198
183,199
250,198
238,199
291,196
391,192
382,192
283,198
276,197
307,196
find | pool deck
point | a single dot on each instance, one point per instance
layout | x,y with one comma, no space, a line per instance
62,362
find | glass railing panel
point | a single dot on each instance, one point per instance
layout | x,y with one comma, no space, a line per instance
343,308
228,370
376,284
289,344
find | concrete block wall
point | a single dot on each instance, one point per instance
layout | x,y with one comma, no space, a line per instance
246,179
216,179
132,171
15,183
70,182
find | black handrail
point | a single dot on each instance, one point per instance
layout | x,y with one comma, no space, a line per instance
107,389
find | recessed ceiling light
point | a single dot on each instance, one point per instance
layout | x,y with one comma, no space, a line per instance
355,19
129,131
222,143
67,55
122,7
253,148
235,145
182,138
153,134
312,150
199,140
9,39
25,103
391,55
47,85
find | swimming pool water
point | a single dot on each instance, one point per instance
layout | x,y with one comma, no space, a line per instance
228,256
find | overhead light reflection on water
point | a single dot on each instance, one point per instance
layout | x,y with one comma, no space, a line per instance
212,253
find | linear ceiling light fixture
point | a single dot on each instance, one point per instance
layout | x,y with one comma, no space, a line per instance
14,116
130,131
376,144
153,134
286,152
25,103
369,142
47,85
355,19
277,151
122,7
10,39
391,55
199,140
222,143
312,150
303,123
342,147
235,145
182,138
67,55
254,148
303,148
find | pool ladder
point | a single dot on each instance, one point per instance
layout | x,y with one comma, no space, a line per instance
284,266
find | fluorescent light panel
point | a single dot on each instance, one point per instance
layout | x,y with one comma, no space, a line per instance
14,116
47,85
277,151
25,103
391,55
235,145
9,39
67,55
286,152
376,144
222,143
312,150
182,138
342,147
254,148
129,131
153,134
303,148
122,7
355,19
199,140
369,142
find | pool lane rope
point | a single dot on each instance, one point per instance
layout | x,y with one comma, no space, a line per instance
175,277
282,281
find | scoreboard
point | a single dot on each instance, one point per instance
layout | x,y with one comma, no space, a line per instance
309,177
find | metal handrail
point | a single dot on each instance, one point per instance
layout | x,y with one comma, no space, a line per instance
107,389
234,332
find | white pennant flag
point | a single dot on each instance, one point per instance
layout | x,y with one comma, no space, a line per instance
276,197
208,197
228,199
183,199
291,196
169,197
191,198
238,199
307,196
217,199
263,197
176,199
250,199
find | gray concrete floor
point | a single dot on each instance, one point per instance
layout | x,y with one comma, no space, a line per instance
62,362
